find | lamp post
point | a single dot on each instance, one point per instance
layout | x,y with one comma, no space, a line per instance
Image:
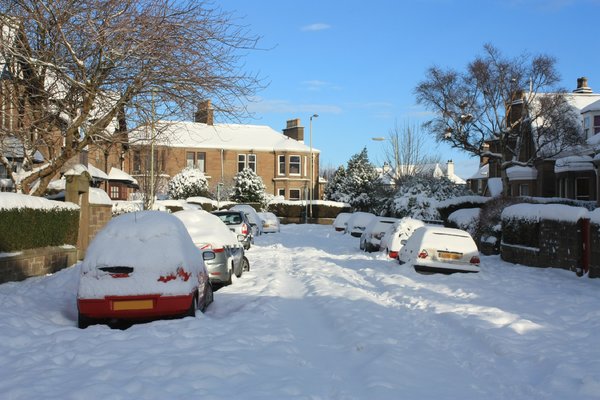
312,162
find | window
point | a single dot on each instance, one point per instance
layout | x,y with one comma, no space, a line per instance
114,192
281,192
582,188
294,194
137,161
189,159
247,161
294,165
281,170
195,160
596,124
241,162
201,161
252,162
524,190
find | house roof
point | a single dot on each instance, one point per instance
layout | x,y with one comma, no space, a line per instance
595,106
116,174
482,173
219,136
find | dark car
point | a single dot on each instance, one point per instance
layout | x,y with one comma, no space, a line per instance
237,222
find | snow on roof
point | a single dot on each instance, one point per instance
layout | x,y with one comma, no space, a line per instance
495,186
482,172
519,173
595,216
96,172
76,169
220,136
595,106
574,163
10,201
98,196
116,174
536,212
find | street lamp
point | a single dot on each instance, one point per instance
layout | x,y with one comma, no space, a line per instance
312,162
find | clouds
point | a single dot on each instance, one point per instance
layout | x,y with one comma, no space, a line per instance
319,26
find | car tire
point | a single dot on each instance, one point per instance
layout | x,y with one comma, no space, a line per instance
191,312
245,264
229,281
238,275
209,297
83,321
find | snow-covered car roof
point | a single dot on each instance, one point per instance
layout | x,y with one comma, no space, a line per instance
250,211
207,228
341,219
401,230
359,218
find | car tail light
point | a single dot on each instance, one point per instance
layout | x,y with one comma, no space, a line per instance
475,260
219,250
393,254
180,273
423,254
244,229
209,246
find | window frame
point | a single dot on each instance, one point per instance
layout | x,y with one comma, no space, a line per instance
241,162
299,194
299,165
281,165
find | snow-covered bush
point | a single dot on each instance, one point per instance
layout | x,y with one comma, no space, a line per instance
465,219
417,196
248,187
190,182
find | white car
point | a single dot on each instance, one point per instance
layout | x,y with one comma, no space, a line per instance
339,223
437,249
211,235
371,237
270,222
357,223
255,221
391,242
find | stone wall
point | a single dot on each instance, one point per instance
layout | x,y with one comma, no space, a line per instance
35,262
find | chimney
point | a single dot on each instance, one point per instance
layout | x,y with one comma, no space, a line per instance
450,168
204,114
582,86
293,130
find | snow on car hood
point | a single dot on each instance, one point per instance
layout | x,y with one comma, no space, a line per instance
154,243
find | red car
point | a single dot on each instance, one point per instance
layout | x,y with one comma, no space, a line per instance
142,266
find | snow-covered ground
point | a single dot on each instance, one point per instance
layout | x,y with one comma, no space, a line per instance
315,318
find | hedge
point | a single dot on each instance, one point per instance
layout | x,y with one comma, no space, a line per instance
26,228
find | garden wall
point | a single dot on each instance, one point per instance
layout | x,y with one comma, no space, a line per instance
35,262
550,236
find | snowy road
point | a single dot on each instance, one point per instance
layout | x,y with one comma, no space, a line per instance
315,318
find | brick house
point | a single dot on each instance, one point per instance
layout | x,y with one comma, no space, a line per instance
282,160
572,174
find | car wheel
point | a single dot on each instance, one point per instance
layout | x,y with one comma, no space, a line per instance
191,312
208,297
83,321
228,281
245,264
238,275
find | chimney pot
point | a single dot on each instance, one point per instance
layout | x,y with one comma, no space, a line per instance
582,86
294,130
204,114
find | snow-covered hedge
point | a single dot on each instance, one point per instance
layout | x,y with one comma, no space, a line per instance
449,206
537,212
465,219
28,222
297,209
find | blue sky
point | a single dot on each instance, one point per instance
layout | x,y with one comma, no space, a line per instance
356,63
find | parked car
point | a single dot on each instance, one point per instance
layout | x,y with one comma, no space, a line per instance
255,221
357,223
142,266
438,249
391,242
339,223
238,223
211,235
374,231
270,222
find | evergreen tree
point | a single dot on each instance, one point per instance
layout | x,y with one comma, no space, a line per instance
248,187
190,182
359,185
334,184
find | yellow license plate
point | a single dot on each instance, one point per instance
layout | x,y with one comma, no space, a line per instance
133,305
449,255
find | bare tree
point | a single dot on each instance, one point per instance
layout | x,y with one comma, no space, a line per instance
72,66
509,110
407,153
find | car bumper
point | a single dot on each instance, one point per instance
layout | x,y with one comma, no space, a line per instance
444,268
134,307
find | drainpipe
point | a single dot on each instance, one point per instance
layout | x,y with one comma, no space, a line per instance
222,165
585,241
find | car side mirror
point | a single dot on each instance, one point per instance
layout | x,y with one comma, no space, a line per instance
208,255
403,242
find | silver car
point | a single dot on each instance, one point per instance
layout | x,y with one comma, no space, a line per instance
238,223
223,254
